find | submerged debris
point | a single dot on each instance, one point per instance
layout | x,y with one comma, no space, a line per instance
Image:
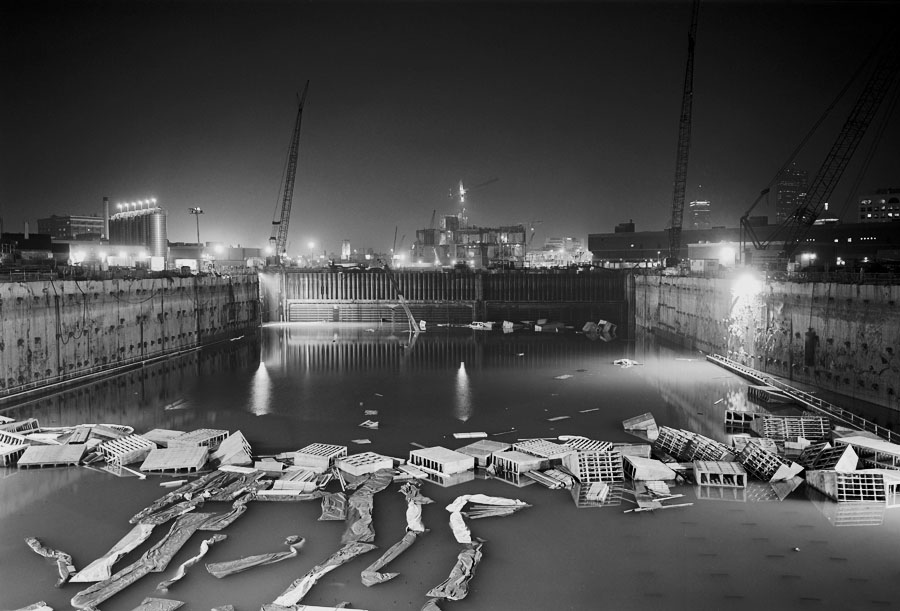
63,560
456,586
184,566
300,587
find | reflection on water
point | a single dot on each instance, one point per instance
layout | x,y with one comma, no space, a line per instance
260,391
463,409
300,384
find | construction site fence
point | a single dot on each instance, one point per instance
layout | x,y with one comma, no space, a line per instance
839,414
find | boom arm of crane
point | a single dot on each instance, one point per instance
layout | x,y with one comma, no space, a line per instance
747,228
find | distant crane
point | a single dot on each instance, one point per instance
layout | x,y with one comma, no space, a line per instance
280,227
684,143
460,196
533,226
797,225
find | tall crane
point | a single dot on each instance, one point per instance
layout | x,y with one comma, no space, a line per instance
684,142
280,227
823,183
792,231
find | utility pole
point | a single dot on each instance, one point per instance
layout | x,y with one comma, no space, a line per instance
197,212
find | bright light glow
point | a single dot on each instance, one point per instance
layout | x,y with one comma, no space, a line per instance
123,254
101,255
452,261
747,286
269,250
219,249
311,245
462,410
143,254
726,255
153,200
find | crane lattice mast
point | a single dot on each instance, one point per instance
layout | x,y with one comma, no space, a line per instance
280,227
684,141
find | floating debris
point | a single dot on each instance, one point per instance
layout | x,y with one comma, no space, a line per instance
564,376
184,566
557,418
626,363
474,435
100,569
456,586
371,576
230,567
300,587
369,424
63,560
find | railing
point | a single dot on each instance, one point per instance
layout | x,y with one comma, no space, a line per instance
817,404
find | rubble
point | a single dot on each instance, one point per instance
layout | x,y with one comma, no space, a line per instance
63,560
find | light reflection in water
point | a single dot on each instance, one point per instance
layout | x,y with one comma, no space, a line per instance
463,407
261,391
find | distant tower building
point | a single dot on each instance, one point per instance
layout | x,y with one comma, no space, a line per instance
71,227
140,223
790,185
699,214
345,250
882,206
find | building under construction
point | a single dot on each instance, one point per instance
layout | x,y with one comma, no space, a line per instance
454,244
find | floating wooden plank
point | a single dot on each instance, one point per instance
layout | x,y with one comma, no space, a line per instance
640,469
720,473
162,437
51,456
126,450
483,450
441,461
209,438
318,456
363,463
175,460
644,422
235,450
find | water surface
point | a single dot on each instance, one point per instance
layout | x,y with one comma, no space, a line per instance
299,384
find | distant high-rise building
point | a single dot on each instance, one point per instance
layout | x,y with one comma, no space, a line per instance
699,214
71,226
882,206
790,185
345,250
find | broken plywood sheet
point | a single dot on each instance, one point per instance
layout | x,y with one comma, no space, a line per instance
51,456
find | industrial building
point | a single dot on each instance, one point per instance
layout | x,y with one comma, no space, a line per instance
827,245
882,206
71,227
456,243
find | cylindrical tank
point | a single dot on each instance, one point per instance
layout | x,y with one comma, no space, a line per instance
158,242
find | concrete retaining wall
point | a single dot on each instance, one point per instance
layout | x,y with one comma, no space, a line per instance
55,331
841,337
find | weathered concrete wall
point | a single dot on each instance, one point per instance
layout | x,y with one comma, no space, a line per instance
55,331
840,337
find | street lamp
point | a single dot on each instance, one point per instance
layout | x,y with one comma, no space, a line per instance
197,212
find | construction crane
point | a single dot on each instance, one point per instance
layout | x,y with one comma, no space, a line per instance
795,228
280,226
460,195
684,143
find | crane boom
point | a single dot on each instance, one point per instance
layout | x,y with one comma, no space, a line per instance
280,227
684,140
823,183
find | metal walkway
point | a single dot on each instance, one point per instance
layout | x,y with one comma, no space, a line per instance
804,398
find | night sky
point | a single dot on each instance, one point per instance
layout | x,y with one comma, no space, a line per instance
572,107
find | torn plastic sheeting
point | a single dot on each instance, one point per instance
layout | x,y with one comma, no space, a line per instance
414,502
230,567
456,586
359,507
370,575
334,506
101,568
300,587
63,560
184,492
458,525
431,605
38,606
338,607
158,604
221,520
154,560
236,488
178,509
184,566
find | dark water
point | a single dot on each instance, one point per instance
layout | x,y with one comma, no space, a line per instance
296,385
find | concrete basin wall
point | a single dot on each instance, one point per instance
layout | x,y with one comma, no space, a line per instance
841,337
54,331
